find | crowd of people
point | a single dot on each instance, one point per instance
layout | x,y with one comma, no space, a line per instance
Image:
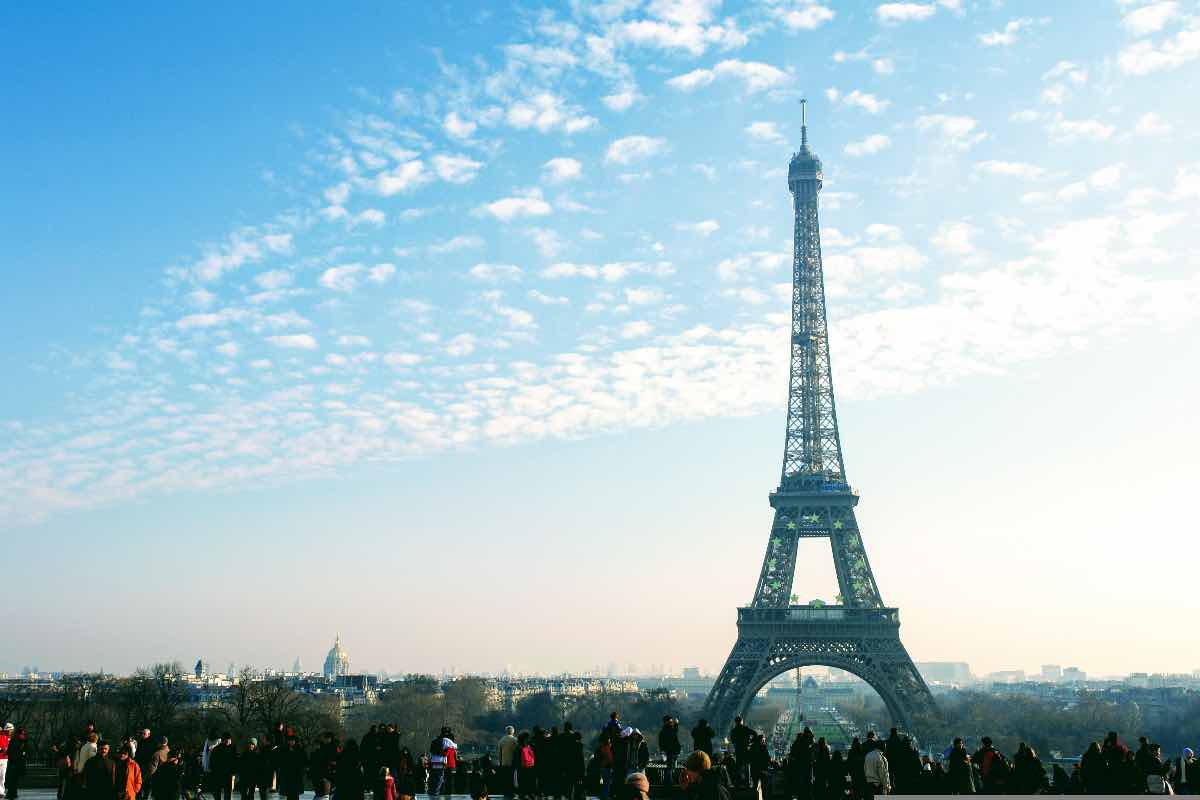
553,764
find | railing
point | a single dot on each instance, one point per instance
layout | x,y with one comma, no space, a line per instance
831,614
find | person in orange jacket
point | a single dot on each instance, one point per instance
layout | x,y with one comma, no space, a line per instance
128,776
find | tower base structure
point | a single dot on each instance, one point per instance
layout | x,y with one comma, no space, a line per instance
862,641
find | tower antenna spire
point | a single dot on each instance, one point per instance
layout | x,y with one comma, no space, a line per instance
803,123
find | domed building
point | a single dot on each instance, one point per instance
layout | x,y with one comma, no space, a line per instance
337,662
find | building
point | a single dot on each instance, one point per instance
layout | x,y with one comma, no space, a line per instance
947,672
1052,672
1074,675
337,663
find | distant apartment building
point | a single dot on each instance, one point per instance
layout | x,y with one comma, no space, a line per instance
946,672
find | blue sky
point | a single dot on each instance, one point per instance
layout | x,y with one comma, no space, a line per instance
378,305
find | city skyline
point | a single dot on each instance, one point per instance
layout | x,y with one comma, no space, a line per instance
455,349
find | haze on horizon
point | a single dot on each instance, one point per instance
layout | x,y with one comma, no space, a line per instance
462,331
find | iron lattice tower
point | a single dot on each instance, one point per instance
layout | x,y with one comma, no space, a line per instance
857,633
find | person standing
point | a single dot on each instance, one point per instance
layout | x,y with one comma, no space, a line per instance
759,756
875,770
168,778
668,743
250,771
443,756
289,773
5,743
961,779
99,775
702,738
348,773
506,750
127,775
741,735
18,754
222,766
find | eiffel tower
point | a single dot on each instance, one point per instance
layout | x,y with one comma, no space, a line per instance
859,634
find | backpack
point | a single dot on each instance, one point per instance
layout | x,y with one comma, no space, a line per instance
435,747
526,757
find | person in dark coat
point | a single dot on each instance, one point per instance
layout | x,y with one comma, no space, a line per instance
799,766
250,772
668,743
167,780
822,766
18,756
759,756
222,766
1094,770
702,737
961,780
100,775
741,736
349,773
289,770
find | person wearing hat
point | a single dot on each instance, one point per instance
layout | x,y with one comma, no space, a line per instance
249,771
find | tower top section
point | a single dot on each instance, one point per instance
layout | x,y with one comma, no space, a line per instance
804,171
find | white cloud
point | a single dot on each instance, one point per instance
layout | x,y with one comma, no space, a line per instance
755,76
875,143
341,279
1150,18
760,261
495,273
273,279
620,101
241,249
904,12
230,349
456,127
690,81
547,112
610,272
636,330
404,178
381,273
207,320
294,341
1107,178
704,228
1073,191
461,345
1143,58
1068,70
644,296
868,102
526,204
548,299
628,149
353,340
1007,36
455,244
1012,169
805,15
883,66
881,230
558,170
1152,125
1067,130
954,238
765,131
958,131
548,242
402,359
455,168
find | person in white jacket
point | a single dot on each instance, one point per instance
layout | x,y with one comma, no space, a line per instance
875,768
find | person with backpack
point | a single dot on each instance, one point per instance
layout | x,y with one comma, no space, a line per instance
604,763
443,755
